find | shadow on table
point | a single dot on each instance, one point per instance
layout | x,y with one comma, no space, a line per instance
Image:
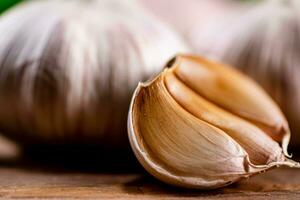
75,158
86,162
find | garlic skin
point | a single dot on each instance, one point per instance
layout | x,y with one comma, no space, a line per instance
68,68
264,43
184,131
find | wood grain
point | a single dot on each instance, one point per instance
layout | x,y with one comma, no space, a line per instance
17,182
47,178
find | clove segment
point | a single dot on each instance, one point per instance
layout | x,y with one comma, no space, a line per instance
195,126
263,149
233,91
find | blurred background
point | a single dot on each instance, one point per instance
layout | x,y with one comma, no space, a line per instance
47,108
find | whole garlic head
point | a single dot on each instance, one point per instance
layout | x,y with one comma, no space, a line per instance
68,68
264,43
202,124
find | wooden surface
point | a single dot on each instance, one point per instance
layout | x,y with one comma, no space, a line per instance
28,178
20,183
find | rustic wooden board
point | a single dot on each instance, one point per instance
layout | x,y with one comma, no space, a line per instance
22,178
26,183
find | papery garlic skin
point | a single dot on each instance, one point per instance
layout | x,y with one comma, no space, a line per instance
188,140
264,43
68,68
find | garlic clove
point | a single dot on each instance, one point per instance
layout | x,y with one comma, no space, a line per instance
233,91
184,139
181,147
260,147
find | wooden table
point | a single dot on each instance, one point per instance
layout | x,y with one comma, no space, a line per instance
23,178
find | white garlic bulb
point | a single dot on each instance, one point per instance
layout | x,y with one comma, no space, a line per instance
193,17
265,44
68,68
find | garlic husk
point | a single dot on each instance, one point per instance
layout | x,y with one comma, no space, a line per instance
184,138
68,68
264,43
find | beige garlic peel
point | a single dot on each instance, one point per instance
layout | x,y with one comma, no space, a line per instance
201,124
69,68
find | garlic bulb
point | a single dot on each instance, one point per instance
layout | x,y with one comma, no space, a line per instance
202,124
68,68
193,17
264,43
